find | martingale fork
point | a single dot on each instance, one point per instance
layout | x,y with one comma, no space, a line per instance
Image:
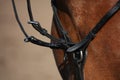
78,50
58,43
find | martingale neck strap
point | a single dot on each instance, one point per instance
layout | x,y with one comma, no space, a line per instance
78,50
64,42
86,41
79,57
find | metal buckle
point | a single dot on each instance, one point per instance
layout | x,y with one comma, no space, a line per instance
78,56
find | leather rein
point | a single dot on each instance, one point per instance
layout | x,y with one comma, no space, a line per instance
78,50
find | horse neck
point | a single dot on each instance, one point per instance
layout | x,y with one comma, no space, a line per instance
103,59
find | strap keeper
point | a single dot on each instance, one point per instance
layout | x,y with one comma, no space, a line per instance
91,35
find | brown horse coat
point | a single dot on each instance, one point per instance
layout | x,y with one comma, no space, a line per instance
78,17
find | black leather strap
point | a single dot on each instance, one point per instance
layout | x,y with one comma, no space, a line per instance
79,64
64,42
17,19
58,43
86,41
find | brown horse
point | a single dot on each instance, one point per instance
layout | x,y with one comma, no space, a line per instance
78,17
